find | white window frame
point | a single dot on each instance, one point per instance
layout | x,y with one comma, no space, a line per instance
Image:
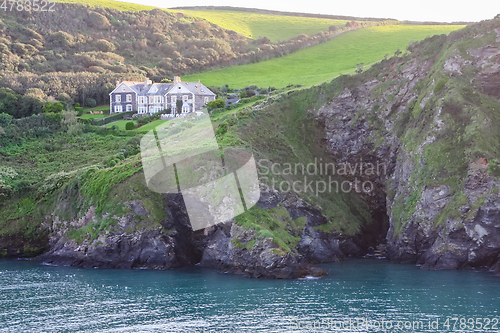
185,98
129,98
129,107
118,108
151,99
206,99
118,98
173,98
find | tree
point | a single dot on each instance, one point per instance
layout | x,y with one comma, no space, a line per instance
165,80
178,106
129,126
5,119
70,123
217,104
98,21
55,107
90,102
9,101
105,46
397,53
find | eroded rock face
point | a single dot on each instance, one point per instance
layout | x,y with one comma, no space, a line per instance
435,221
172,244
264,258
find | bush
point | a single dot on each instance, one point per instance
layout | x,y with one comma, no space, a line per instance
129,126
55,107
90,102
110,119
217,104
79,110
5,119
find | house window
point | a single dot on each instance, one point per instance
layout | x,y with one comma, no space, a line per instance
151,100
142,100
118,108
158,99
206,100
129,107
129,97
118,98
185,98
174,99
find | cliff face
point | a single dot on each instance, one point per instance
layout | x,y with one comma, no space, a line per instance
428,124
229,247
432,118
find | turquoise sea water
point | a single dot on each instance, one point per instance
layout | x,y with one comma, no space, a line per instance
362,295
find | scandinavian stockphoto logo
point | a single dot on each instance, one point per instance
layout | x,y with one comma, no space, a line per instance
185,157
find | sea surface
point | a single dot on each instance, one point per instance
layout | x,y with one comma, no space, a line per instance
361,295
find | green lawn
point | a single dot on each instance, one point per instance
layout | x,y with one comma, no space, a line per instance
323,62
120,124
274,27
93,116
150,126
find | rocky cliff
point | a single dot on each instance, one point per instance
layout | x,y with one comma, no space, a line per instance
404,156
432,117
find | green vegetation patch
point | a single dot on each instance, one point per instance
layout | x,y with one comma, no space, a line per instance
275,223
275,27
323,62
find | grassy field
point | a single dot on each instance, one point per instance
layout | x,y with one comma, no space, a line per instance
252,25
124,6
325,61
274,27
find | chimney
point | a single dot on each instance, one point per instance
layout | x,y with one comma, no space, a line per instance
117,83
146,80
177,79
199,87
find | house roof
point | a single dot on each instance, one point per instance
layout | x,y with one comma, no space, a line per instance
158,88
193,87
144,89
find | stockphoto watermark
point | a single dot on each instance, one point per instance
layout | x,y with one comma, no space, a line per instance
216,185
319,176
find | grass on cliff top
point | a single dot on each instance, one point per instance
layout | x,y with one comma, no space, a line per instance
469,122
254,25
284,131
123,6
323,62
35,160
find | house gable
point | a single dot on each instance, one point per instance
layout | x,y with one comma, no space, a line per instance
178,88
153,89
122,88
